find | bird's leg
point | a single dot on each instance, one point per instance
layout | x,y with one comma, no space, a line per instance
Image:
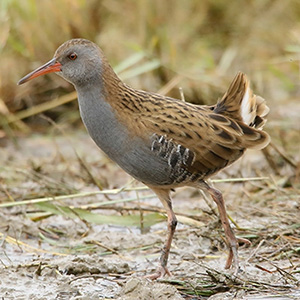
230,236
164,196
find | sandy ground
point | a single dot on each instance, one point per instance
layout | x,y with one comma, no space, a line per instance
48,255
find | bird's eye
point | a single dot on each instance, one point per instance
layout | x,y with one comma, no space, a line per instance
72,56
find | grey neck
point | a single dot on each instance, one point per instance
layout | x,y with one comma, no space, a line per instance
101,121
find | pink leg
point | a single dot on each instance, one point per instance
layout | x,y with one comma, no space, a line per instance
232,241
164,196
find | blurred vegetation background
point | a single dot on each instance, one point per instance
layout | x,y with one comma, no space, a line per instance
159,46
153,45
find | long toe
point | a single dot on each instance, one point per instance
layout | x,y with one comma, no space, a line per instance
235,261
159,273
243,241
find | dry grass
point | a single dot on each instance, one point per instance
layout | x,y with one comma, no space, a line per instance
206,42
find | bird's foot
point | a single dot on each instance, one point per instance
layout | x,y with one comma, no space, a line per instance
159,273
233,259
243,241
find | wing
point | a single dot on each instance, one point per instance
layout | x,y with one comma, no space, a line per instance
202,140
197,139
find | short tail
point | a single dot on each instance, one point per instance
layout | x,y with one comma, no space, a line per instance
240,104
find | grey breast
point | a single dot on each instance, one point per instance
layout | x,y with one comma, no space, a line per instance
132,154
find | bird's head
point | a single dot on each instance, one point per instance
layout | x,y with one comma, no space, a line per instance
79,61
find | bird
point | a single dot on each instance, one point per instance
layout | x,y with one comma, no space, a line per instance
160,141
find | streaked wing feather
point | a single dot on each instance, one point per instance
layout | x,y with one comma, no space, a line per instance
216,135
